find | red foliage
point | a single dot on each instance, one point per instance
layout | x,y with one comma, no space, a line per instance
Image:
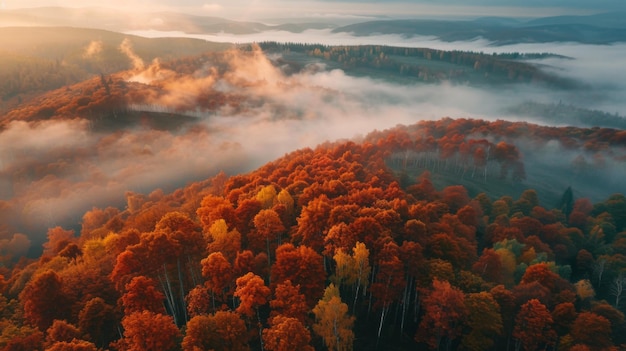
142,295
302,266
289,302
218,274
44,301
252,293
58,239
592,330
533,326
223,331
61,331
489,266
444,310
286,334
148,331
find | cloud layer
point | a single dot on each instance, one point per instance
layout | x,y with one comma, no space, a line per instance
52,172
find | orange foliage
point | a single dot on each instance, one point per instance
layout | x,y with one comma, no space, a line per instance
252,293
444,309
61,331
142,295
44,300
533,326
592,330
148,331
218,273
286,334
58,239
223,331
289,302
74,345
302,266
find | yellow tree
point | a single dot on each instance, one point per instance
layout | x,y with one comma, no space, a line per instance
224,241
267,196
360,256
285,199
345,273
332,321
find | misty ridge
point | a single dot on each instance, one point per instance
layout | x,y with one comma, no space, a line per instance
371,175
164,122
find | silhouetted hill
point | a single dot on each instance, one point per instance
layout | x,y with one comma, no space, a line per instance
596,29
37,59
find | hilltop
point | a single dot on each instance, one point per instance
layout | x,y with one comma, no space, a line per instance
311,231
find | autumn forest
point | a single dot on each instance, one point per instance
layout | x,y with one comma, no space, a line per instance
440,234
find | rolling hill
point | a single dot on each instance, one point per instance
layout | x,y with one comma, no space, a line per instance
593,29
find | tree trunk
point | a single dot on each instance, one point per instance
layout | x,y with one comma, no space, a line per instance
182,291
380,325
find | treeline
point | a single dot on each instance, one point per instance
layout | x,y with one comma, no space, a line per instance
425,64
324,249
114,100
569,114
34,60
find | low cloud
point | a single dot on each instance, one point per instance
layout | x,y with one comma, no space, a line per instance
15,246
212,7
127,49
59,169
93,49
599,66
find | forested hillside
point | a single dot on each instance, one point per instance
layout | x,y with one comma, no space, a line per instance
34,60
350,245
426,65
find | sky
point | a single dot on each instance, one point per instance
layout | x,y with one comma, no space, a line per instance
258,9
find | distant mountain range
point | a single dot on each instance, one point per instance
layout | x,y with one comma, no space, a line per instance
593,29
602,28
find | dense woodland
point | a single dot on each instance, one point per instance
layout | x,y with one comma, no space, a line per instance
431,65
333,248
351,245
34,60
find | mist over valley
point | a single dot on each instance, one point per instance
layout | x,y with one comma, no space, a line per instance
312,175
170,122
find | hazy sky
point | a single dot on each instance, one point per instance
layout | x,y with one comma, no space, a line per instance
257,9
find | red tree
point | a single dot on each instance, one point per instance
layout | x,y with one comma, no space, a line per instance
142,295
286,334
252,293
148,331
44,301
592,330
533,326
218,274
302,266
223,331
444,310
289,302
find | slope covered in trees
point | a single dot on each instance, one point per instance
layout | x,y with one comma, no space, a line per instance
424,64
34,60
328,248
